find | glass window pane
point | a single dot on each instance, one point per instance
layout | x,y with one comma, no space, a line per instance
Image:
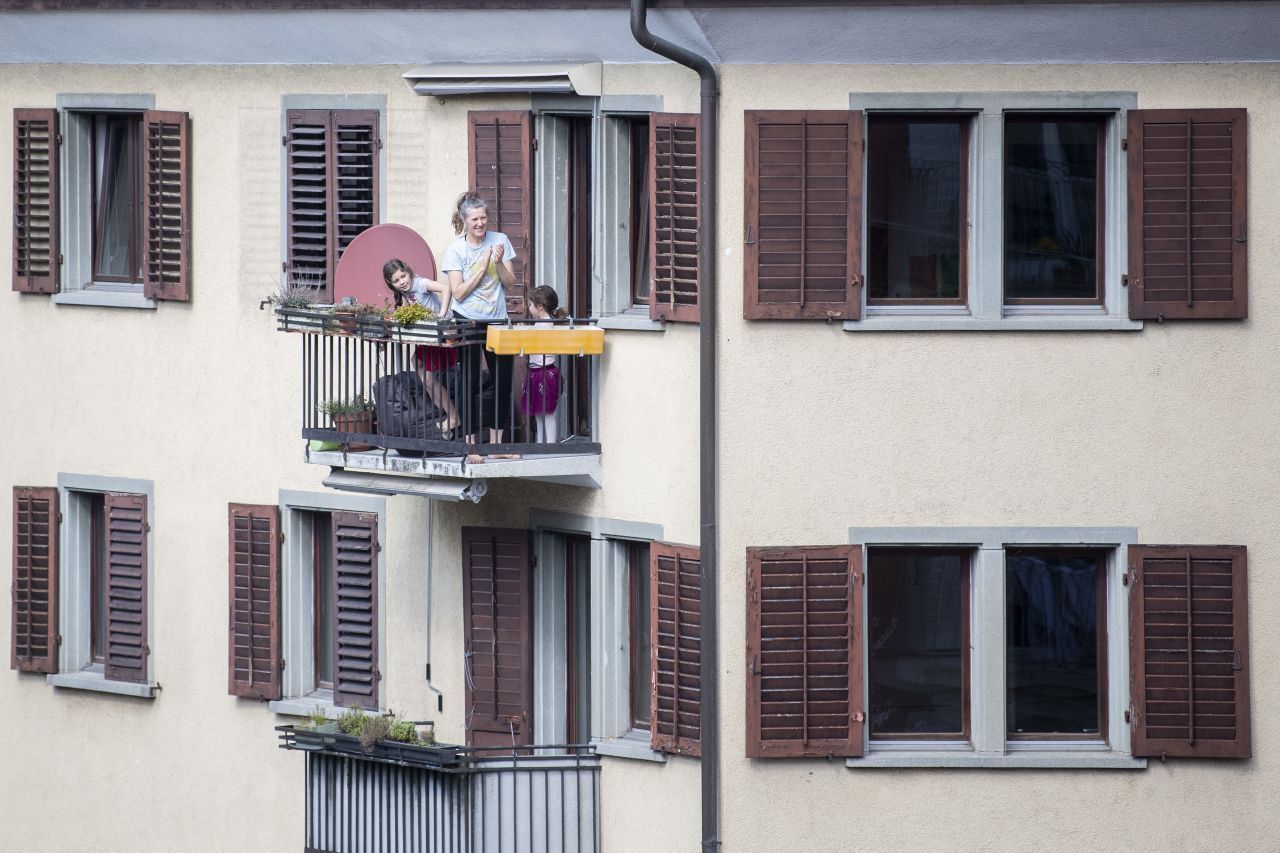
1052,638
915,206
324,598
640,276
97,577
115,214
579,638
640,649
916,647
1051,207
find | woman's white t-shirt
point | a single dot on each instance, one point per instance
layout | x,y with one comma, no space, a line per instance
488,301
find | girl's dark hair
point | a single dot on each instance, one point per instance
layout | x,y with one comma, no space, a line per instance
467,201
548,300
389,269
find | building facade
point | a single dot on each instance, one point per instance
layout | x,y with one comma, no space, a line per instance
995,444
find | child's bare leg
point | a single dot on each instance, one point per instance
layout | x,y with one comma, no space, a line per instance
440,396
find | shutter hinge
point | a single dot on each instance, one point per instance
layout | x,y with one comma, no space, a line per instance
377,675
59,259
1124,280
146,650
281,537
534,143
58,139
1124,143
59,516
377,548
59,641
1128,715
284,142
283,664
1124,579
146,527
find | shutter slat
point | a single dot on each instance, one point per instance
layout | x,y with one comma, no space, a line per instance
34,616
35,201
675,648
802,217
254,621
126,588
673,217
166,205
355,607
1189,651
500,146
804,654
1187,209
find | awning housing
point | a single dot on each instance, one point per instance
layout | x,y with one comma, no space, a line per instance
465,78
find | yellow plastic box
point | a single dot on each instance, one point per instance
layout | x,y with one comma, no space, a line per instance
559,340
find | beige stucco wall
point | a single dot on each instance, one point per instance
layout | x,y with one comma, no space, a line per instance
1172,429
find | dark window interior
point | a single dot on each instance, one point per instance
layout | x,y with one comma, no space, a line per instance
640,275
578,640
1054,606
97,577
917,170
917,642
322,568
1052,207
641,665
117,197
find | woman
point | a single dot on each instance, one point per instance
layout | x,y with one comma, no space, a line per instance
406,287
478,264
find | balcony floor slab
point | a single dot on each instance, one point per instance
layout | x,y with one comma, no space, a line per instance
572,469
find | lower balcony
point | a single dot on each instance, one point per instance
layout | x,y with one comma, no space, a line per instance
543,800
452,401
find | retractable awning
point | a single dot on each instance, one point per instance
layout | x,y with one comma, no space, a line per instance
465,78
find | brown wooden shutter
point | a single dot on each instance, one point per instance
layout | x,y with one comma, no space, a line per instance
355,609
34,636
254,648
804,652
500,145
497,595
1189,651
36,257
332,192
673,217
166,201
126,587
1187,209
803,224
675,624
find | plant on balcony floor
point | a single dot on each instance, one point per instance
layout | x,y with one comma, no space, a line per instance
353,415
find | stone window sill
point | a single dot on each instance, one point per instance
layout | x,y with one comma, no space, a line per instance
96,681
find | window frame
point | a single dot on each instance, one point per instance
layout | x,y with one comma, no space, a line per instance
986,309
989,745
76,667
299,691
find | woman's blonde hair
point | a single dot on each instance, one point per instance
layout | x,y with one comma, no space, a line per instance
468,201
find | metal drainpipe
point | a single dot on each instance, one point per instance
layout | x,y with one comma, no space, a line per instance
708,446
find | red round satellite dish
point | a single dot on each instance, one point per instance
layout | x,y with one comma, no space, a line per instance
359,272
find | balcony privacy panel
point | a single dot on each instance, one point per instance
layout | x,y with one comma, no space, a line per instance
676,648
35,201
804,652
1189,651
355,608
673,222
166,206
254,665
803,250
500,147
497,596
127,646
1187,209
34,617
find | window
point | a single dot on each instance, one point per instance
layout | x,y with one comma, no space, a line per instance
102,201
81,584
332,188
917,209
612,224
997,647
306,624
918,644
994,211
592,633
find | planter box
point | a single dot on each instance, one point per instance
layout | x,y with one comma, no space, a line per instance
560,340
413,755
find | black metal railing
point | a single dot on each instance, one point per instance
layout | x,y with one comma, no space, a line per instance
487,801
433,388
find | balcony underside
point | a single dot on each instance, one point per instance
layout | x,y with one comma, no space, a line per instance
572,469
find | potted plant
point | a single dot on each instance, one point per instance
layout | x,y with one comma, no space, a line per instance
370,322
406,316
354,415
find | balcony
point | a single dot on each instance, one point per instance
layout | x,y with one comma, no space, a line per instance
545,799
448,401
